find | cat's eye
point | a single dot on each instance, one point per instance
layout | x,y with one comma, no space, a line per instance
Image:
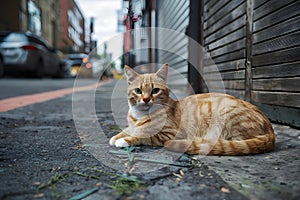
138,90
155,91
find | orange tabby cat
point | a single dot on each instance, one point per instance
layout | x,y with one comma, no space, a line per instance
212,123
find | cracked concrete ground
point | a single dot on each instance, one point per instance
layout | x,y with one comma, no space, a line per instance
273,175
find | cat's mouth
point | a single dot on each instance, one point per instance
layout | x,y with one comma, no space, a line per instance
144,107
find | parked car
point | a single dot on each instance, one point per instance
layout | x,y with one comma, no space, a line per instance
78,64
24,52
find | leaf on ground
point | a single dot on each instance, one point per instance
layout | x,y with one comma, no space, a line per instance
39,195
116,128
178,175
84,194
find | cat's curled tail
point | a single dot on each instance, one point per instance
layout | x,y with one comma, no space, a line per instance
258,144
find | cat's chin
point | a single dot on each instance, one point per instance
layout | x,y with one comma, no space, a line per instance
143,107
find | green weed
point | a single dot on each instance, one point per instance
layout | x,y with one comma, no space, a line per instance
57,178
127,185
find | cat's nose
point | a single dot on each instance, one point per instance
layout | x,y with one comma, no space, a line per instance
146,100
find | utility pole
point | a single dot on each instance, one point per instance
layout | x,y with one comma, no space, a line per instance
91,32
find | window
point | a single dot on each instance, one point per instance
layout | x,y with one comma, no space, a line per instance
34,18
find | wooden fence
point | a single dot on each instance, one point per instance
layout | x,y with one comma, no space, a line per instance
256,47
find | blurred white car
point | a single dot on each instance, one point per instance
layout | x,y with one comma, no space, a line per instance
23,52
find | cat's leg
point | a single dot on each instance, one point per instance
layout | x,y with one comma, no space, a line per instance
140,138
123,139
189,146
132,141
122,134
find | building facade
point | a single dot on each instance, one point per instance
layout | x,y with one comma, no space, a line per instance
36,16
60,22
73,35
137,39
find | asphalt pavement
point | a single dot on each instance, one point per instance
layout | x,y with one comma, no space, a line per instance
12,87
58,149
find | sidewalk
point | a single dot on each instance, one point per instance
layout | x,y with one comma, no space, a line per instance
43,157
274,175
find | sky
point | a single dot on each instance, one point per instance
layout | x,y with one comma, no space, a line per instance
105,23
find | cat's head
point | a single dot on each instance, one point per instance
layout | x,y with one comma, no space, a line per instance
146,90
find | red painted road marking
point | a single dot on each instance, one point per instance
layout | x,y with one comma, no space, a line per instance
21,101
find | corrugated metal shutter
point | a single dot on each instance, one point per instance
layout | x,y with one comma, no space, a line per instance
173,14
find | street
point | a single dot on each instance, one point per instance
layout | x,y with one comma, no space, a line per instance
48,151
12,87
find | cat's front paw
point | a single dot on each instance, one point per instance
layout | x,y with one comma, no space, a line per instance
112,141
121,143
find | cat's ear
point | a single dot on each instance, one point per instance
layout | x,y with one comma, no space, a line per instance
130,74
163,72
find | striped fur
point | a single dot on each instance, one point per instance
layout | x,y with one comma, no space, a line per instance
211,123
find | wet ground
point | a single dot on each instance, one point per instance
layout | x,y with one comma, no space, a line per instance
43,155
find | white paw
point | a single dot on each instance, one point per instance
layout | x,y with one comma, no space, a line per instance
112,141
121,143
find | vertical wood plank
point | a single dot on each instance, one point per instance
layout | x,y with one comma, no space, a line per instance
249,44
195,33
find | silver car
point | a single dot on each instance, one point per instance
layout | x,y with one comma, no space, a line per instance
23,52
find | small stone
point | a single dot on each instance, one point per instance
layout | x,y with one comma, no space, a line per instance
225,190
201,174
46,158
99,184
268,157
36,183
276,168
